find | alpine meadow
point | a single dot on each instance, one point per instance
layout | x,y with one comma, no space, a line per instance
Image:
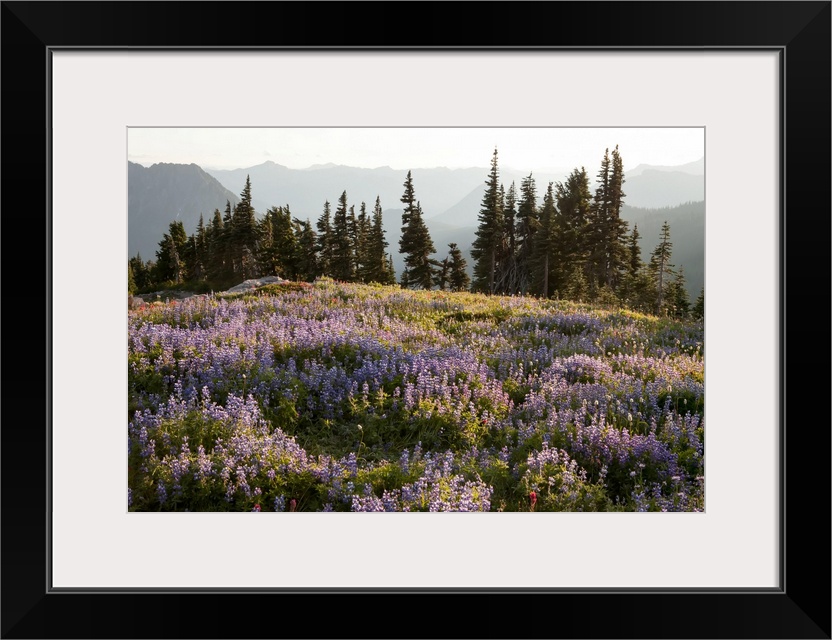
423,320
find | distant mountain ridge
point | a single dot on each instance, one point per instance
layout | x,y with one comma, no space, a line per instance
159,194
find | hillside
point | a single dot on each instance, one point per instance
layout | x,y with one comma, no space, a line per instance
164,192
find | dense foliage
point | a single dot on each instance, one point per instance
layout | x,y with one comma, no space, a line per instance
572,245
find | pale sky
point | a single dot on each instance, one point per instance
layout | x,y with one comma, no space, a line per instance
523,149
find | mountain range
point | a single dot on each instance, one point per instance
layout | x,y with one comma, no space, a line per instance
450,200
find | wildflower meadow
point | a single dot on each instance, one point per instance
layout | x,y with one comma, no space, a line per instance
329,396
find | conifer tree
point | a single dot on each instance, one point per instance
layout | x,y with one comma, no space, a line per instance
698,310
415,242
569,250
131,280
306,241
244,235
488,244
442,273
379,265
458,277
170,263
219,266
678,301
141,272
527,224
362,244
266,255
508,280
660,267
342,249
325,247
543,246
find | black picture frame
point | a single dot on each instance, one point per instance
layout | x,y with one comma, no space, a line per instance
800,608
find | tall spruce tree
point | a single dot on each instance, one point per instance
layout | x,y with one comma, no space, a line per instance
569,248
342,266
415,242
698,310
528,221
488,244
325,241
245,235
379,268
508,276
170,262
458,277
362,244
306,241
542,258
660,267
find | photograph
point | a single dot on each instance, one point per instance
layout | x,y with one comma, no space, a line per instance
416,319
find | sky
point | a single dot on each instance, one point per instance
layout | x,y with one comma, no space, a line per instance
523,149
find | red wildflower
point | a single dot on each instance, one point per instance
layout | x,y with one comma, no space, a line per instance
292,504
533,497
257,507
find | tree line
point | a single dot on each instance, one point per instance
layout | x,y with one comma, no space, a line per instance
573,245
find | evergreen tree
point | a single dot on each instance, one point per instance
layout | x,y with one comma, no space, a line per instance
267,255
307,244
634,286
415,242
379,267
218,246
527,224
362,245
542,262
244,236
442,273
342,251
569,248
325,248
660,267
678,301
698,310
488,244
141,272
170,264
618,227
131,280
458,277
508,280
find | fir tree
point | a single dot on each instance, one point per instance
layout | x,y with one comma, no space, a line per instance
527,224
678,301
379,268
244,235
508,277
362,245
325,248
543,246
569,250
141,272
342,252
170,264
307,244
488,244
698,310
458,277
131,280
415,242
660,267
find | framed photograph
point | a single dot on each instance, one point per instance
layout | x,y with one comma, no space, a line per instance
746,556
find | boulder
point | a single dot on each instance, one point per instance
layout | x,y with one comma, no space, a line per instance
250,285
